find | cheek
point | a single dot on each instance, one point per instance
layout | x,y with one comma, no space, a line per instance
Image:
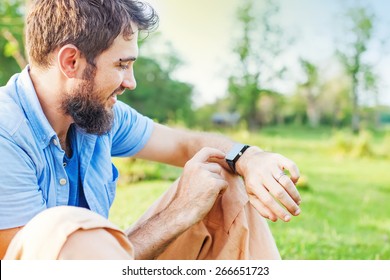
108,84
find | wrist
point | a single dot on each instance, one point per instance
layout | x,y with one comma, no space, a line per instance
242,162
234,154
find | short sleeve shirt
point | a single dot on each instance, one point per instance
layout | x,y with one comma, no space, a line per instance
32,175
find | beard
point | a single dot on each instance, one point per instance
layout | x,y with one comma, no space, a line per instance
85,105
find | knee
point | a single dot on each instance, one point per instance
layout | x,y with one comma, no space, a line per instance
71,233
93,244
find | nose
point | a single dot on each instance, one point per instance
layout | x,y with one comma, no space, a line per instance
129,81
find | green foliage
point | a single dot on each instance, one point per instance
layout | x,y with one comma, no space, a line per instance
342,143
367,144
10,49
8,65
355,146
12,13
11,22
384,148
362,147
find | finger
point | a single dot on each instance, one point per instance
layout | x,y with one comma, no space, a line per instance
218,184
223,185
282,195
206,153
287,184
263,195
212,177
291,189
215,176
262,209
213,167
287,164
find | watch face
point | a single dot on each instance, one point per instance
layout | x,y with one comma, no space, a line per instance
234,152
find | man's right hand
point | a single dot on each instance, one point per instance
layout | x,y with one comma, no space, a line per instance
196,193
200,184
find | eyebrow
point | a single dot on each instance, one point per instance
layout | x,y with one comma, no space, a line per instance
128,59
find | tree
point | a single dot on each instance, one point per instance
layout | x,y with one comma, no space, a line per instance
310,91
257,48
361,27
272,108
336,108
12,57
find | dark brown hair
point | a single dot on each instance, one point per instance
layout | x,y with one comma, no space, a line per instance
90,25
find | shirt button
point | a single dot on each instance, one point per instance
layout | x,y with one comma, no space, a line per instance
62,181
55,142
64,164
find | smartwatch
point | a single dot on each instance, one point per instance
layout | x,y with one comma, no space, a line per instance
234,154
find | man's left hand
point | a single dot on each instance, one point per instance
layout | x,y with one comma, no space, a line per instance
268,186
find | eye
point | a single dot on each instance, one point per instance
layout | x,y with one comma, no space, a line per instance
124,66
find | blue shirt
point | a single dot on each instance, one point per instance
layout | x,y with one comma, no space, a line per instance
32,174
72,168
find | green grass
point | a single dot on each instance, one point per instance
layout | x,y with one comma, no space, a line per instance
345,199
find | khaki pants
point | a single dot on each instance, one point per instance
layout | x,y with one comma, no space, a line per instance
233,229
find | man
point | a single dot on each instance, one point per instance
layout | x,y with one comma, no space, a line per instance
60,124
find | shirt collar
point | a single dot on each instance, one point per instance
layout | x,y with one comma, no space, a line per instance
32,108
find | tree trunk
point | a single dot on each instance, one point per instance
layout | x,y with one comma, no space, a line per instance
312,112
355,106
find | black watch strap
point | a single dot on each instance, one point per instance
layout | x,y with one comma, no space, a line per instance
234,154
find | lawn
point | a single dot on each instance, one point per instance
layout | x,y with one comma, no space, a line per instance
345,195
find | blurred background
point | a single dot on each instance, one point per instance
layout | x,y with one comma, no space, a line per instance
305,78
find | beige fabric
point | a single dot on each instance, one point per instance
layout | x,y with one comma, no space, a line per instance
232,230
47,233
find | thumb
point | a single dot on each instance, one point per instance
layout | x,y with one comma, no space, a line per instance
206,153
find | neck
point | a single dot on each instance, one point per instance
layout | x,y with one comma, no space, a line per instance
49,88
66,144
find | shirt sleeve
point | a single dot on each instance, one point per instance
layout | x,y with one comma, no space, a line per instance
20,196
130,132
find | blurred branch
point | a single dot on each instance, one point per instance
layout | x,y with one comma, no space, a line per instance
16,53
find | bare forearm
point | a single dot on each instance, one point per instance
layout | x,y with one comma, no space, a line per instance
176,146
213,140
151,237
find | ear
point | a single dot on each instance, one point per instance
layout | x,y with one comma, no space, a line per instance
69,60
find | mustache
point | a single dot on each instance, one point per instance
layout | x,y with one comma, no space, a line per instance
118,90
